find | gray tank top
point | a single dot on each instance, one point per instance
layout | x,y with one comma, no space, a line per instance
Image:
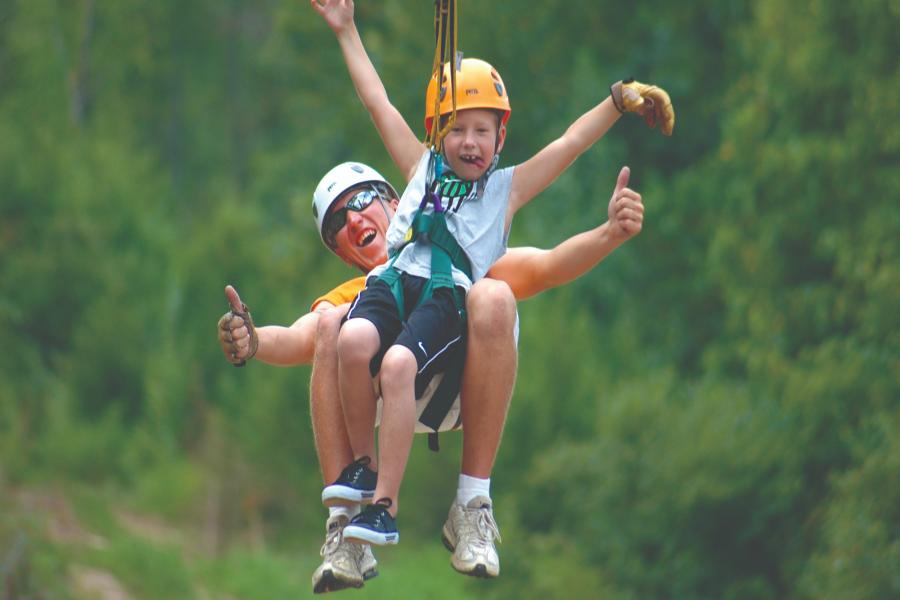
475,217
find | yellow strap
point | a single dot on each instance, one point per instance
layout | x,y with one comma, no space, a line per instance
445,27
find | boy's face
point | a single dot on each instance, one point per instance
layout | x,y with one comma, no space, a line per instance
361,241
472,142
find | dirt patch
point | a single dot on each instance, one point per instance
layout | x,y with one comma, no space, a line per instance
94,584
55,513
149,528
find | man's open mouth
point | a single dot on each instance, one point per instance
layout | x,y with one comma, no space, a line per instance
366,237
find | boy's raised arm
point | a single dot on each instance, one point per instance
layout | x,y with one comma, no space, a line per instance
539,171
534,175
401,143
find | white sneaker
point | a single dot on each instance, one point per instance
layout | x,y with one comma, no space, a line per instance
345,564
469,533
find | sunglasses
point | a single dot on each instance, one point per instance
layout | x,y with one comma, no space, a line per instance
336,220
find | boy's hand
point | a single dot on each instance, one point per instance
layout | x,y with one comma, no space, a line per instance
649,101
337,13
626,211
237,335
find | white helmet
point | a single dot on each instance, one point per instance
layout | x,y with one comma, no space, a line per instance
340,179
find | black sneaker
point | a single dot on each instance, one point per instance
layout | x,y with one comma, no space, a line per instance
374,525
356,485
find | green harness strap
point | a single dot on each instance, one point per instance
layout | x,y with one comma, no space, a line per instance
445,253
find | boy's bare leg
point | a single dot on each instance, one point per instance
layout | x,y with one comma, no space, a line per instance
488,379
398,421
375,525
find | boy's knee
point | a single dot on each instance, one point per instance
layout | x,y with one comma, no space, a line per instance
399,365
358,341
491,307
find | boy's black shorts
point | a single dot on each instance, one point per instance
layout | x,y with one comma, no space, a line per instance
434,332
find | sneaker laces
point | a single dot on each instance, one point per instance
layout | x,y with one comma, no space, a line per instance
334,544
333,539
480,527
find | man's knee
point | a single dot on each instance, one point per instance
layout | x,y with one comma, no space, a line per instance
327,329
492,308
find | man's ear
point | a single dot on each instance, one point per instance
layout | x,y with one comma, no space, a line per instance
394,203
501,137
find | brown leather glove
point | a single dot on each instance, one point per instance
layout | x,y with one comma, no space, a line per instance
649,101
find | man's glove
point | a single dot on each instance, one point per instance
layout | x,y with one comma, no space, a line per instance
237,335
648,101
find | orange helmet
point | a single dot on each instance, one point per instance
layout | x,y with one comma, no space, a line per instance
478,85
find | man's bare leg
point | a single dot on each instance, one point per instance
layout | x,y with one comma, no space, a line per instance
329,430
489,374
343,564
488,380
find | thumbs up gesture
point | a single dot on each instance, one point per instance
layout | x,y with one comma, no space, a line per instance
237,335
626,210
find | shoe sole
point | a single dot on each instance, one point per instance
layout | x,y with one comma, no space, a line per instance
362,535
479,570
339,495
330,583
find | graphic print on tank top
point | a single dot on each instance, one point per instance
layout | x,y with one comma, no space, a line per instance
453,191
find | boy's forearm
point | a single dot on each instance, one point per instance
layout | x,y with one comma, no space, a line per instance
368,84
399,140
591,126
534,175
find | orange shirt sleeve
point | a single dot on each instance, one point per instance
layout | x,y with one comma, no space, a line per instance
343,293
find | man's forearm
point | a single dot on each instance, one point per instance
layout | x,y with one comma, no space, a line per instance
577,255
288,346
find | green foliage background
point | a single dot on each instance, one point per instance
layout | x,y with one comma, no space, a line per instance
711,413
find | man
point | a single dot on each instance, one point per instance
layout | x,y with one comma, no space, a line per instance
353,205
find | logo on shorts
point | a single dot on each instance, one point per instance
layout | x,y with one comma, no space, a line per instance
424,351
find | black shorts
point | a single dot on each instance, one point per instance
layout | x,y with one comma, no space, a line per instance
434,332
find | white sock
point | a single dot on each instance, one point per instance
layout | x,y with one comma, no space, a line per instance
469,487
347,511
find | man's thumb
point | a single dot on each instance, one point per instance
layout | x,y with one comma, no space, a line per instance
622,180
233,299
